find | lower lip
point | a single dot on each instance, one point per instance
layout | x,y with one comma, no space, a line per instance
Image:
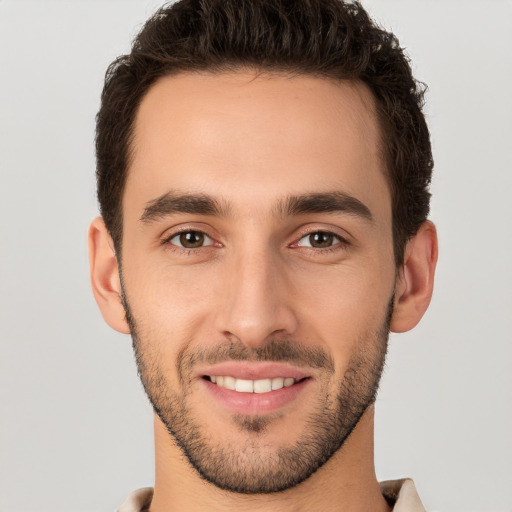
255,403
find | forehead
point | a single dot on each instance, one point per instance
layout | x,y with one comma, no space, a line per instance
254,138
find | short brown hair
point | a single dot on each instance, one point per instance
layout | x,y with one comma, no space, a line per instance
323,38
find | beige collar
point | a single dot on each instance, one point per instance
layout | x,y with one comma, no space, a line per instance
402,495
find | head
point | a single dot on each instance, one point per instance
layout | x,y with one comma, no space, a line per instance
262,175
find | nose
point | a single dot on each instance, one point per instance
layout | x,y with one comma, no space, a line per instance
257,300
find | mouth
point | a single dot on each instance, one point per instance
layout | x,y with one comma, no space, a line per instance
254,388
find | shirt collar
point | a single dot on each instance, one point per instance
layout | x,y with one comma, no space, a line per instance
402,495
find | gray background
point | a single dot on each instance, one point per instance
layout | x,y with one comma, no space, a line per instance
75,429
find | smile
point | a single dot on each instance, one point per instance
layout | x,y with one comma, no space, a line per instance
252,386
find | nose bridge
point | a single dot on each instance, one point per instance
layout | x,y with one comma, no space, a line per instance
256,304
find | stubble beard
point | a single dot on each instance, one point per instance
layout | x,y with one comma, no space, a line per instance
250,468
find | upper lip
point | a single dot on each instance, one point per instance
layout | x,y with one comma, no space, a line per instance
250,370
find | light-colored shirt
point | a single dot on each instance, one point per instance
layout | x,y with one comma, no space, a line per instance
400,494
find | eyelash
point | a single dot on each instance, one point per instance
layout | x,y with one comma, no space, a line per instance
340,243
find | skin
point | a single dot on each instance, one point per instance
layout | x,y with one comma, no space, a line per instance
250,142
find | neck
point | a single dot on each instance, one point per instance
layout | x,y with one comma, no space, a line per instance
346,482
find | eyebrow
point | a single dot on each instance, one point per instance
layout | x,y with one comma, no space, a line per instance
303,204
171,202
324,202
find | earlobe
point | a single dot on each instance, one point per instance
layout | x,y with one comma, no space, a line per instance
416,279
104,273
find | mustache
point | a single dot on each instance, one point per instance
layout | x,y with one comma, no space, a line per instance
273,351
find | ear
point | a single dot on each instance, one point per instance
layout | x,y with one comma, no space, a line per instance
105,281
416,279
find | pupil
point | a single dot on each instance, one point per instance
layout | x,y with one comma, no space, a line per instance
192,239
321,240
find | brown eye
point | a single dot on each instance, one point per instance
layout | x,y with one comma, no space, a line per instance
319,240
191,239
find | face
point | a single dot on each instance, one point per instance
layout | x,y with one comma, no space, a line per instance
258,269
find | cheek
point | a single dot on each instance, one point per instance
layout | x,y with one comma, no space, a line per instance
345,292
342,308
169,303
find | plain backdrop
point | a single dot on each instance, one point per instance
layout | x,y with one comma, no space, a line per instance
75,428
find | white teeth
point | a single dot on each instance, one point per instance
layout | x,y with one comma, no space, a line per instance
277,383
252,386
244,386
262,386
229,383
288,382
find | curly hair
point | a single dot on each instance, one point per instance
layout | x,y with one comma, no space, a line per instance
331,39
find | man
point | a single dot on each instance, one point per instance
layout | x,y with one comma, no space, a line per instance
263,172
